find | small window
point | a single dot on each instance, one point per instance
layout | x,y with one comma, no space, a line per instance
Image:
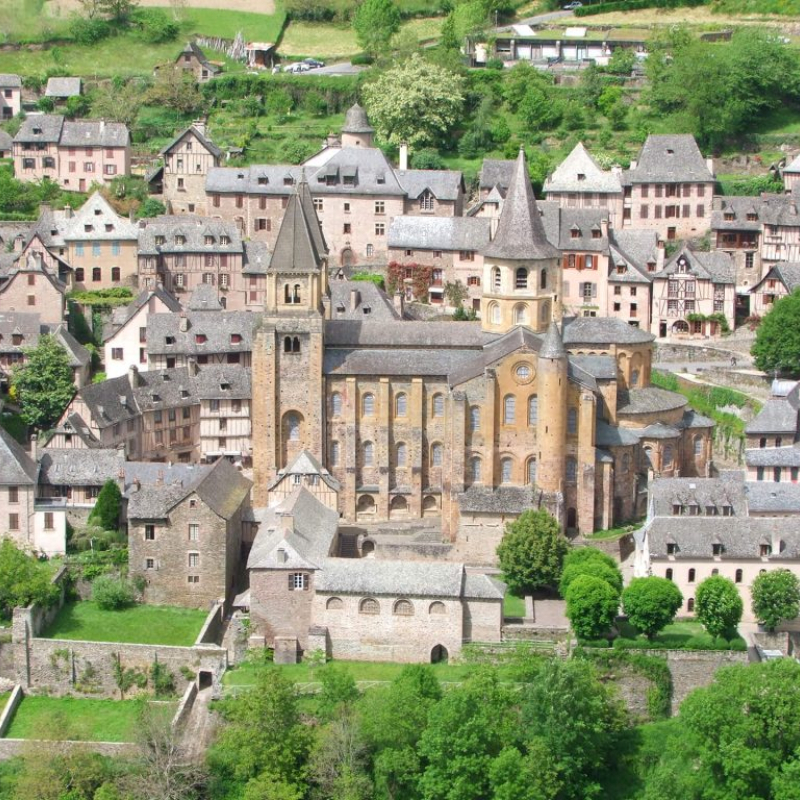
509,409
716,549
531,471
334,604
369,606
692,575
336,404
436,455
149,563
149,533
194,532
506,470
437,607
533,409
475,467
368,405
401,455
438,405
668,574
194,559
368,450
404,608
571,470
690,604
298,581
400,405
475,418
739,576
335,454
572,420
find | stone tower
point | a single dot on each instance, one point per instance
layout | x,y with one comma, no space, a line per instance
552,425
288,398
357,132
521,272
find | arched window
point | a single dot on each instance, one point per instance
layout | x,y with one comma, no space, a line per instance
520,315
335,454
404,608
368,405
635,377
475,467
437,607
698,445
668,574
334,604
496,279
296,345
293,427
690,604
506,470
521,279
369,606
544,313
400,405
572,470
296,293
368,451
572,420
494,314
438,405
739,576
509,409
668,456
475,418
543,278
626,463
533,409
531,470
287,294
436,455
287,344
692,575
336,404
96,274
401,455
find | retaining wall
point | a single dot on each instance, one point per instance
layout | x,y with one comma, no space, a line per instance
185,706
11,706
11,748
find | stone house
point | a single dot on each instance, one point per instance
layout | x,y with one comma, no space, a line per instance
780,279
451,246
188,159
771,436
718,526
125,335
28,286
736,229
10,96
193,60
791,175
185,537
432,192
579,182
669,188
74,153
62,88
692,289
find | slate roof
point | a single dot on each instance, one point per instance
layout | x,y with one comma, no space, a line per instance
773,456
691,419
602,368
793,166
222,382
519,338
483,587
702,492
552,343
780,210
258,179
502,500
300,246
496,172
366,167
151,474
306,542
17,468
788,273
122,316
104,223
18,322
612,436
649,400
636,249
715,266
574,228
773,498
205,297
257,258
602,331
739,208
9,81
444,184
306,464
405,361
393,578
6,142
355,121
520,234
192,47
63,87
78,355
566,176
40,128
777,415
439,233
73,425
658,431
77,466
740,537
370,297
94,133
670,158
194,230
434,335
217,326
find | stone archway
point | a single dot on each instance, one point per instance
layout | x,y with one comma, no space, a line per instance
365,507
398,508
439,654
680,327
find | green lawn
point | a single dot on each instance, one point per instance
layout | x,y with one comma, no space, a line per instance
139,624
3,700
614,533
69,718
513,606
680,635
225,23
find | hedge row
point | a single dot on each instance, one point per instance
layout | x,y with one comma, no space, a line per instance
634,5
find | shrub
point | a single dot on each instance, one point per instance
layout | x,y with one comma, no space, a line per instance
427,158
776,597
651,604
112,594
361,59
599,569
89,31
592,605
155,26
106,510
162,680
718,606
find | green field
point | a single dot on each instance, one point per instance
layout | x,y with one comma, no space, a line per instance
513,606
680,635
68,718
139,624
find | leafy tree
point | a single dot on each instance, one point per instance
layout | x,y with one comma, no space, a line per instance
455,292
776,597
651,604
23,579
467,731
591,566
592,605
118,11
43,383
777,344
375,22
112,594
718,606
532,552
338,690
264,741
107,509
415,102
118,103
578,721
427,158
155,27
151,208
175,89
339,760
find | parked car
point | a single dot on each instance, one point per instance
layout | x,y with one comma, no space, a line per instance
573,5
297,67
313,63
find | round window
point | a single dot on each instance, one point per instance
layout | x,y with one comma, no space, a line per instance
523,373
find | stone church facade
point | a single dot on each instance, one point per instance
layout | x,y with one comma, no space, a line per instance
467,422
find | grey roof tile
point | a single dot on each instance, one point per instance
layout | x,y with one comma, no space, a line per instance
734,212
40,128
579,172
483,587
401,361
369,303
552,343
787,273
715,266
504,499
444,184
355,120
94,133
63,87
96,220
9,81
773,498
612,436
17,468
219,332
496,172
670,158
346,333
77,466
602,331
702,492
777,415
439,233
121,316
193,230
773,456
300,246
205,297
649,400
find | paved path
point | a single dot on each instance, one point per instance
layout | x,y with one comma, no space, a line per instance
539,19
199,729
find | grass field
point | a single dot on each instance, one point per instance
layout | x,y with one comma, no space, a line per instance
513,606
68,718
139,624
680,635
3,700
614,533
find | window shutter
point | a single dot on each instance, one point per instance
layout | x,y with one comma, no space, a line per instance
291,581
580,261
565,262
305,583
594,290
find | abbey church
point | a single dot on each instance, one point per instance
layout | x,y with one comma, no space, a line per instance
470,422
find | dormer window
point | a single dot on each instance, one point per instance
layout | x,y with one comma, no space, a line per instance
716,549
236,338
670,152
349,180
224,239
682,265
596,234
209,240
620,269
575,233
97,212
651,266
169,340
752,217
165,377
379,178
88,228
263,180
180,239
581,176
109,227
160,240
672,548
200,338
16,339
729,216
184,393
37,130
225,386
765,550
156,398
288,181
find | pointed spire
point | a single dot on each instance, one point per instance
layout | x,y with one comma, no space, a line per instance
300,246
520,233
552,344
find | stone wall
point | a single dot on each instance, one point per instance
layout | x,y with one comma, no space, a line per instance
11,748
186,705
8,712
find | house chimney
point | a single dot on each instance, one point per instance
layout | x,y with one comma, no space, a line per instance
355,299
191,366
133,376
136,485
183,323
604,228
399,302
34,446
200,126
19,243
710,165
660,255
403,156
67,212
633,164
717,203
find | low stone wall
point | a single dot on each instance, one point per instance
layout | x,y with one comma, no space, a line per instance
11,748
211,632
412,551
666,353
185,706
11,706
619,549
